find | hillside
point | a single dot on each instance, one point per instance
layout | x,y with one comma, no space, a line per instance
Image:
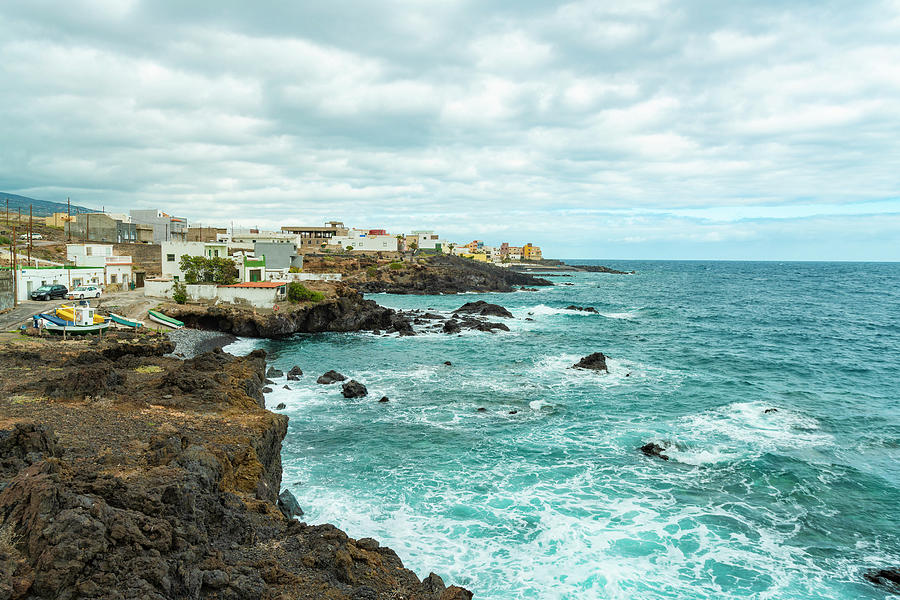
40,208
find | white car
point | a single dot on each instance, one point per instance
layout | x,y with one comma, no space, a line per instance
84,291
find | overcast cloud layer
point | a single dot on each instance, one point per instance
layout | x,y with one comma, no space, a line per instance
644,129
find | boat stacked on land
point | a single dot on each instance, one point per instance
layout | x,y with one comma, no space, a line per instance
158,317
82,321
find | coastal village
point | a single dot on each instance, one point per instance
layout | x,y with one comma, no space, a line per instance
164,256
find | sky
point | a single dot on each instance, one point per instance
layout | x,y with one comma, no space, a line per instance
645,129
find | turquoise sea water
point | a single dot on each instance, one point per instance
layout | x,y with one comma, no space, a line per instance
555,501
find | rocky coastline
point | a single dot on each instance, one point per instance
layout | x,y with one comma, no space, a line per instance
126,473
348,311
443,274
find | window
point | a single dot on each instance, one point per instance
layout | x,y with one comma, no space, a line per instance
112,279
170,257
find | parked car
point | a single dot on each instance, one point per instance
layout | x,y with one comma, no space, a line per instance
36,236
84,291
49,292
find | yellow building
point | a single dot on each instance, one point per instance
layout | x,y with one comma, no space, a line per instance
480,257
531,252
58,220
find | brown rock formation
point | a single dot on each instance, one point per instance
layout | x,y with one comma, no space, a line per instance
161,480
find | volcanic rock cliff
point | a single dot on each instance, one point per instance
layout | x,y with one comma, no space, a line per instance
125,474
348,311
444,274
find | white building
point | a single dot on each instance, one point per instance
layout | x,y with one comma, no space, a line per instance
366,239
246,239
427,240
29,279
173,251
117,269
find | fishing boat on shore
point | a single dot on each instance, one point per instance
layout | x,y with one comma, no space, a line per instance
83,323
158,317
120,320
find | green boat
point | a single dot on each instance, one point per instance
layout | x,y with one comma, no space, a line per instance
162,319
119,319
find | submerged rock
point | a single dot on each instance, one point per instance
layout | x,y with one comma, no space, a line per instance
288,505
593,362
295,373
887,578
653,449
770,410
354,389
330,377
484,309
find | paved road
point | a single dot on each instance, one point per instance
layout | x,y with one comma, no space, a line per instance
22,313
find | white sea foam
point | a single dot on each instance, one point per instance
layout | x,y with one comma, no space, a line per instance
742,428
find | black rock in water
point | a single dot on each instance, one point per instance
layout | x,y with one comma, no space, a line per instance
589,309
652,449
267,390
594,362
288,505
887,578
484,309
770,410
451,326
354,389
295,373
269,381
273,372
384,399
448,363
281,406
330,377
481,409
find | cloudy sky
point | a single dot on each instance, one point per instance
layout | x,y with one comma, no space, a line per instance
631,129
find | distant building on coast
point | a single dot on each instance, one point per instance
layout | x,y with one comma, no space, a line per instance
312,239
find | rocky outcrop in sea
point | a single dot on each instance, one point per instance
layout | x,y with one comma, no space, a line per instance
447,275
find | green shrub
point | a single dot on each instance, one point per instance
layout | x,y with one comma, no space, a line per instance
372,271
5,241
396,265
179,292
297,292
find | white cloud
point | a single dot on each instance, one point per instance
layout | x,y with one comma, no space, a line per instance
458,116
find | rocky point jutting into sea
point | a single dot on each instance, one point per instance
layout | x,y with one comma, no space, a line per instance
128,474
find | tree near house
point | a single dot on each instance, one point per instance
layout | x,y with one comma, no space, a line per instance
199,269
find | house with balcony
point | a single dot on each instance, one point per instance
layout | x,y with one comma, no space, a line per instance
117,270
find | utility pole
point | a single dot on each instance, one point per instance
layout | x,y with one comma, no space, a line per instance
69,218
87,226
30,231
14,272
7,213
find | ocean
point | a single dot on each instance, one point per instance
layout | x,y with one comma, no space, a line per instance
545,495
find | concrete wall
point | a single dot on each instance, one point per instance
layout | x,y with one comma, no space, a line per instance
145,257
313,276
257,297
278,255
6,289
99,227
